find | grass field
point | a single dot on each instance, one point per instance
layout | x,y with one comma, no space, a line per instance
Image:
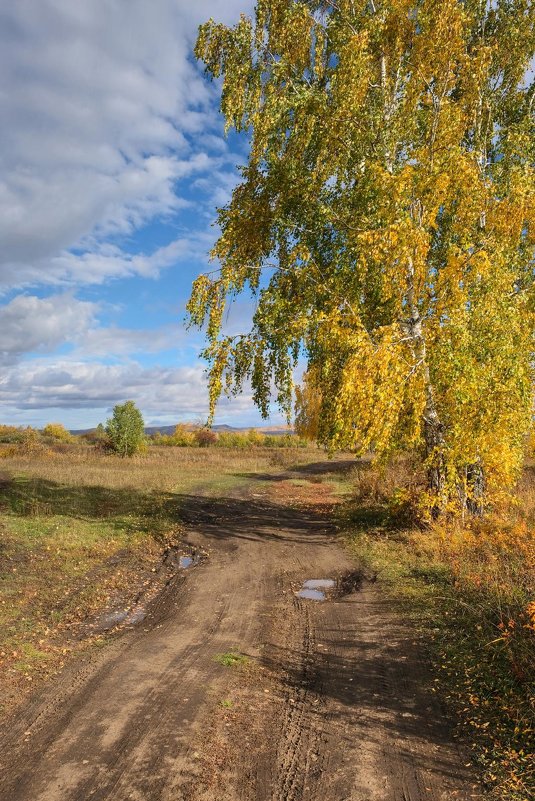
82,531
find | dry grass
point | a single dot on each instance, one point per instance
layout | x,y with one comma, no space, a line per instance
82,531
471,587
161,468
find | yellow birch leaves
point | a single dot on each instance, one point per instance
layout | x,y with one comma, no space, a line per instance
384,224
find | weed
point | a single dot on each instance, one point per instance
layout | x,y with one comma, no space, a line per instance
231,659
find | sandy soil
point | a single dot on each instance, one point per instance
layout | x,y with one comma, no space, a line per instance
331,703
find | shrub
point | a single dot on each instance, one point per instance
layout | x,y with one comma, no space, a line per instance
126,429
183,437
254,437
97,436
205,437
284,441
233,439
28,443
58,432
12,434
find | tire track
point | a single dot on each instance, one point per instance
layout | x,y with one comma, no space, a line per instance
333,705
297,733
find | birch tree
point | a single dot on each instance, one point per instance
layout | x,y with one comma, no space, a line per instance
385,224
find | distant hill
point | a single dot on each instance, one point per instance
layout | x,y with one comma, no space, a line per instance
223,427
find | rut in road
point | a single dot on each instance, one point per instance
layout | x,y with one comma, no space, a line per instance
333,704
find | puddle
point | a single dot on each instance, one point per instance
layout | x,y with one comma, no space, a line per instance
311,595
136,616
112,619
130,617
314,589
188,561
127,616
319,584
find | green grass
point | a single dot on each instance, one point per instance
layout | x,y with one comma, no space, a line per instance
231,659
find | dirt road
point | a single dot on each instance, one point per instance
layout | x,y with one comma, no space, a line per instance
233,687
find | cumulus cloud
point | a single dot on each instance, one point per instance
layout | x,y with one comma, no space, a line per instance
116,342
108,125
176,393
104,112
29,323
105,261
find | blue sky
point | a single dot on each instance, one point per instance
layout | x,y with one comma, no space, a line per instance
112,164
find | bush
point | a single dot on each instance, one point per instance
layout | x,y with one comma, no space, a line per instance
28,443
126,429
182,437
205,437
185,436
97,436
58,432
255,439
233,439
12,434
284,441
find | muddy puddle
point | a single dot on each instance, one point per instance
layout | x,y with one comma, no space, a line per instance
316,589
189,561
112,619
136,616
311,595
130,617
127,617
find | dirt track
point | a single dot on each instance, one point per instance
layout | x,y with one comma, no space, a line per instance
332,704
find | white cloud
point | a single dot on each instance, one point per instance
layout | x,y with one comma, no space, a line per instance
160,392
29,323
104,261
97,100
116,342
108,124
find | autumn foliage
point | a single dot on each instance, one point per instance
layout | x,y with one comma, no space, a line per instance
385,225
57,432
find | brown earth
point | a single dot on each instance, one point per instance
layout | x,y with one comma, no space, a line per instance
326,700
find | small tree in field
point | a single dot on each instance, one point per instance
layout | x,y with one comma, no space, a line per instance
126,429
